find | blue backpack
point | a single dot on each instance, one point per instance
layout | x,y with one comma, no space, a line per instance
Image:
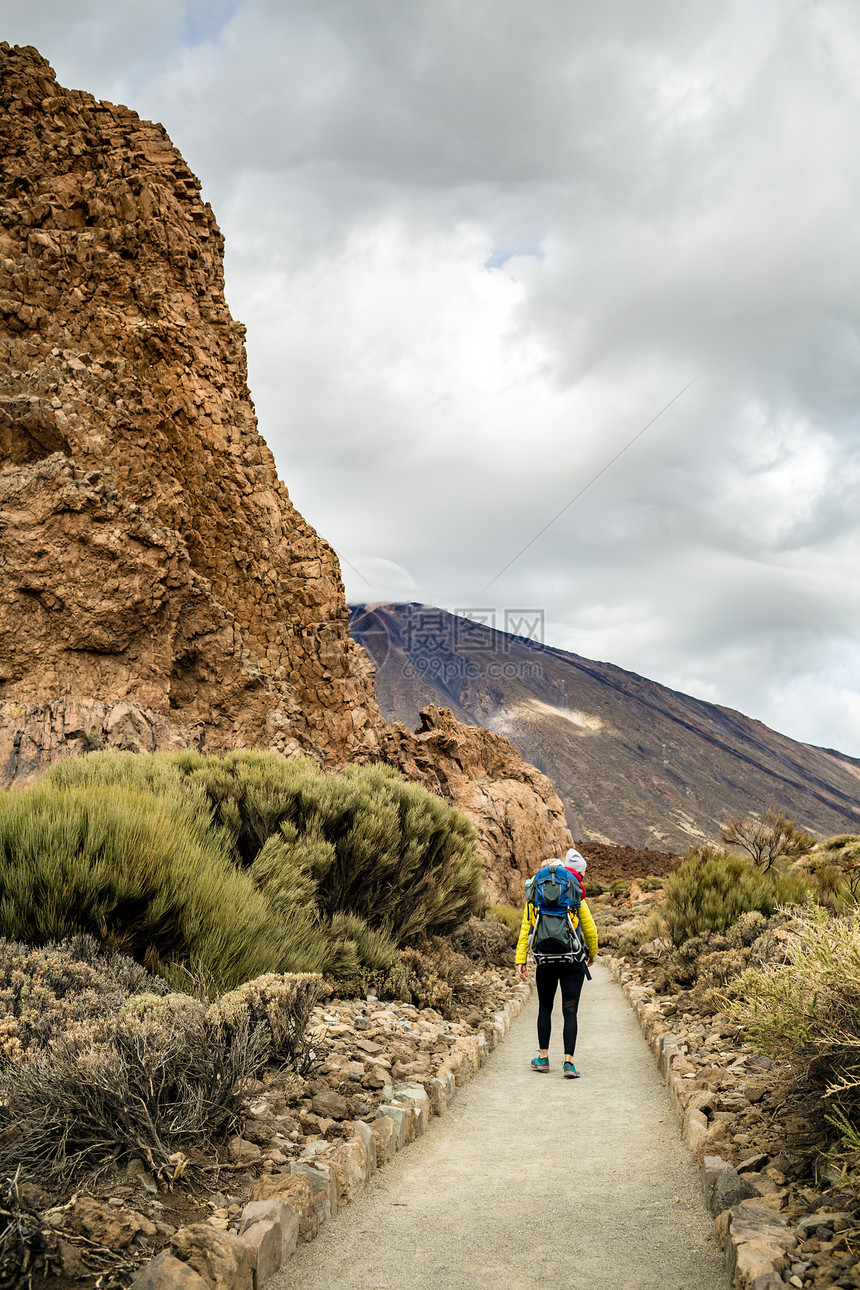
556,897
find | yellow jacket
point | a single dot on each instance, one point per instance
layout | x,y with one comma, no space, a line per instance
589,931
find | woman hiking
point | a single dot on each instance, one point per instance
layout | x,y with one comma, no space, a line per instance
560,969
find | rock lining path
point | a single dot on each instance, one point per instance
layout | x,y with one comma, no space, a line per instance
534,1181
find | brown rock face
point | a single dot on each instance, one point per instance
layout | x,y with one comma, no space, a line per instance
151,554
158,588
517,812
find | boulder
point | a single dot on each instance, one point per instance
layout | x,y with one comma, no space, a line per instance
166,1272
330,1105
285,1217
222,1259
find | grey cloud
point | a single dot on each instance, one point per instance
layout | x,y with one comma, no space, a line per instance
667,191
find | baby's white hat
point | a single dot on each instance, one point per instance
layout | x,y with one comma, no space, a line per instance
573,860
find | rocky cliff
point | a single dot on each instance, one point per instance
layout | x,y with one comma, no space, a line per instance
517,812
150,552
158,588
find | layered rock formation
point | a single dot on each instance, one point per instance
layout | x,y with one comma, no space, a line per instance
151,553
158,588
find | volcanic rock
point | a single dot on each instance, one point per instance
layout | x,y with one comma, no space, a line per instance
151,554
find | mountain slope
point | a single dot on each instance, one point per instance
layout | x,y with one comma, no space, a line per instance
634,762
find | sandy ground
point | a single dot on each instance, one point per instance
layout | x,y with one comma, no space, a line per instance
534,1181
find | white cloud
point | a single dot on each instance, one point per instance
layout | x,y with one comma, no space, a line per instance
477,249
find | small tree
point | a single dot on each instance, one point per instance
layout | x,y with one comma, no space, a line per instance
769,839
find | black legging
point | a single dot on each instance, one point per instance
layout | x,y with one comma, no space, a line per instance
570,977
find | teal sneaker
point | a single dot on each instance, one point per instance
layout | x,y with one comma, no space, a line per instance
570,1071
540,1063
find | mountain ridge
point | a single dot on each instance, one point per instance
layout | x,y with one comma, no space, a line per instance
635,762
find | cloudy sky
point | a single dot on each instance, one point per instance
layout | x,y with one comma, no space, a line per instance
479,246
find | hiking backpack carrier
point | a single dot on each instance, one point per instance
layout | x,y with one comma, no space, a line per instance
556,897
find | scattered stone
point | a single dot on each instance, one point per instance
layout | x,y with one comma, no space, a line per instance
728,1190
243,1152
107,1225
752,1163
368,1046
330,1104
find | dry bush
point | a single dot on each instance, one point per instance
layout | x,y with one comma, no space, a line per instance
491,944
748,928
153,1083
802,1006
806,1010
53,990
768,840
834,868
436,976
681,969
708,966
282,1005
30,1250
154,1076
635,931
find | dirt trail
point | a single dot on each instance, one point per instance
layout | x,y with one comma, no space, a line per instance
534,1181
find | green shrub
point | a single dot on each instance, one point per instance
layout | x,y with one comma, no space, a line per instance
511,918
842,842
139,870
827,881
339,870
711,889
374,949
365,841
806,1009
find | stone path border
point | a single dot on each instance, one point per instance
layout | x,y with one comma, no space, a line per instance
201,1257
755,1238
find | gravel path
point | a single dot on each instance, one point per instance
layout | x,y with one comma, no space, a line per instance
534,1181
